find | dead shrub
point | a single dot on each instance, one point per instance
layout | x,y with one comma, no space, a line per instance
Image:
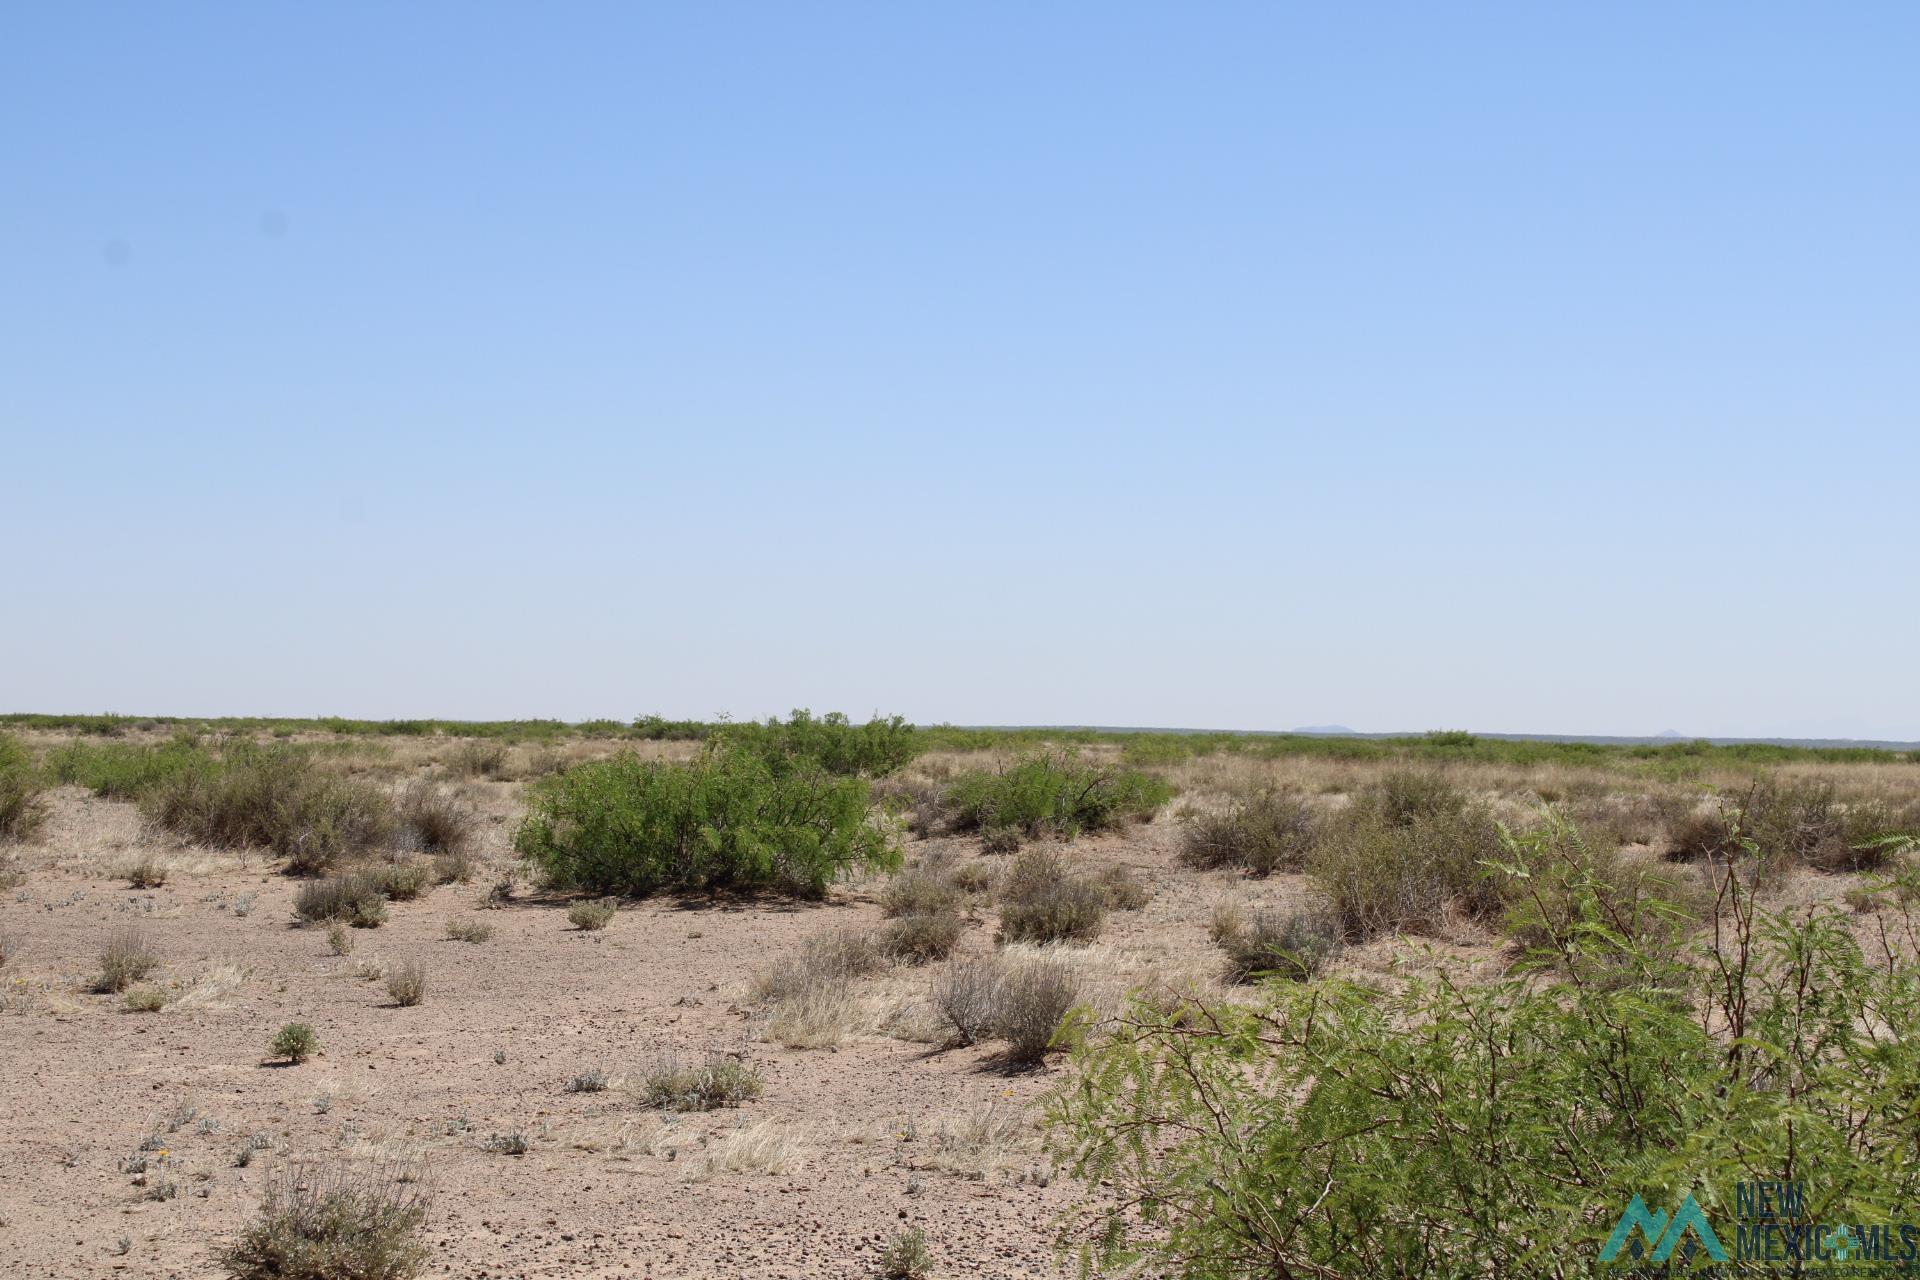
407,985
1022,1000
919,890
1405,859
593,915
430,820
482,758
1269,831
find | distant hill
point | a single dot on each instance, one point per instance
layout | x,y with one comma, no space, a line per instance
1325,730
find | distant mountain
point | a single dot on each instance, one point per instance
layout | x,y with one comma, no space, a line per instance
1325,729
1669,733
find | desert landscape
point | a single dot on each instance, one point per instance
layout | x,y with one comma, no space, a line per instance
247,963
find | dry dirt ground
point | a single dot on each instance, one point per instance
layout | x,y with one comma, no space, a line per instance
847,1146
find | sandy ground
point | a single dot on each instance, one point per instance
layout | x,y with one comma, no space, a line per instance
608,1187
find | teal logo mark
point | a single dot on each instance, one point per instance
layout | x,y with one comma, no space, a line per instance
1662,1232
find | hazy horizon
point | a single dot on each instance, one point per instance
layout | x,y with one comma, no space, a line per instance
1519,370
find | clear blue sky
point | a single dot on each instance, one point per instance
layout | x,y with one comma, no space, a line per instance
1515,367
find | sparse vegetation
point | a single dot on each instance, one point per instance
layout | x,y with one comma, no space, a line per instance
924,936
335,1223
296,1042
906,1256
22,811
1406,854
272,797
144,999
1284,944
1023,1000
432,822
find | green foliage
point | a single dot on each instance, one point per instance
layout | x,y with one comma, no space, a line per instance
906,1256
342,1223
1457,1131
733,817
831,742
1054,792
296,1042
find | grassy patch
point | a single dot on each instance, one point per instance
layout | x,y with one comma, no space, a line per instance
1052,792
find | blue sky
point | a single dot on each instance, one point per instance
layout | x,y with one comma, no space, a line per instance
1513,367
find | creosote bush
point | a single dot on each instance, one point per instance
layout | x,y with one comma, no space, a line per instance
1053,793
731,818
338,1223
1268,831
296,1042
1423,1128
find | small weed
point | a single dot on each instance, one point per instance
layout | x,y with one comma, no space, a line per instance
407,985
296,1042
593,916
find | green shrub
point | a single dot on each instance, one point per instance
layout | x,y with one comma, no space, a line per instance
1441,1128
123,772
1043,900
831,743
296,1042
1053,793
1269,831
720,1081
729,818
354,899
342,1223
594,915
1386,864
22,811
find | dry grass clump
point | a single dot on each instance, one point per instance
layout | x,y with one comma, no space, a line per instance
760,1147
479,758
1124,890
1296,945
1022,1001
144,998
127,958
1043,899
721,1081
338,1223
400,878
593,915
149,872
355,899
407,985
811,998
923,889
429,820
1268,831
